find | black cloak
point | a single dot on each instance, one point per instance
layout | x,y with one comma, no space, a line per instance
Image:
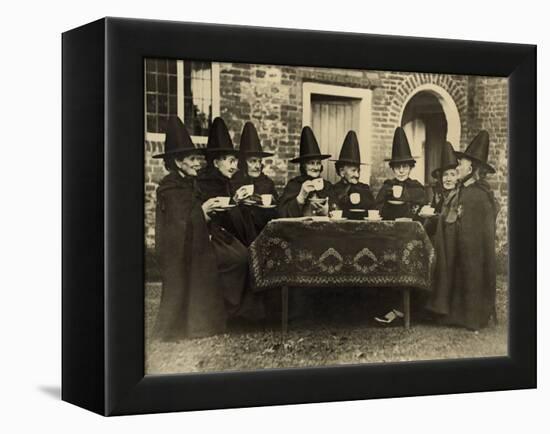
465,272
192,302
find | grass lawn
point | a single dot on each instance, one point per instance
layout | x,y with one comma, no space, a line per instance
338,331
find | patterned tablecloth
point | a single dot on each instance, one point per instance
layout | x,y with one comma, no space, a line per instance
341,253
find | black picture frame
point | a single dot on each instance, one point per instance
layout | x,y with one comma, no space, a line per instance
103,217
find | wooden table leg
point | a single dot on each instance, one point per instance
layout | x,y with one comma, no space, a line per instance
407,306
284,300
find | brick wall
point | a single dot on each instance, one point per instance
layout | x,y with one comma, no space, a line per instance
488,109
154,172
271,97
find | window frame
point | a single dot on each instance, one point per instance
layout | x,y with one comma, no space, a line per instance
197,140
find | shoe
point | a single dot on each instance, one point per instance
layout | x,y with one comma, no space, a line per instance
390,317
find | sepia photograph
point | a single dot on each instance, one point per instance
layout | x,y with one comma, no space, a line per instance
307,216
317,217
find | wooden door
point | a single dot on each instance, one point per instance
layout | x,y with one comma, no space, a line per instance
331,119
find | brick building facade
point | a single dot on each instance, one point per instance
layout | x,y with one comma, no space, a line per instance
279,100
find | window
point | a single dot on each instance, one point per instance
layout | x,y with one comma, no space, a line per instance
197,96
161,93
188,89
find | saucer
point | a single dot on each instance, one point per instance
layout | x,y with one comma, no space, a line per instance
225,207
396,202
375,219
266,206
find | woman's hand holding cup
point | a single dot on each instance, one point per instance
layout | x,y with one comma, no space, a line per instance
210,206
320,207
243,192
426,211
307,187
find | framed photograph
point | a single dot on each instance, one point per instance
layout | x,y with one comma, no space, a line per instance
257,216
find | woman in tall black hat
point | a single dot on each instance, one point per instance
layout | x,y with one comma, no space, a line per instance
446,179
464,287
401,196
216,181
231,230
349,193
192,302
306,194
250,171
261,205
446,176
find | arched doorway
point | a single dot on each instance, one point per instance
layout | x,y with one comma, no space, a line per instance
429,117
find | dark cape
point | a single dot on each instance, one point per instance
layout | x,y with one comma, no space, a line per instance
289,206
231,230
213,184
262,185
414,197
464,289
438,199
341,191
192,302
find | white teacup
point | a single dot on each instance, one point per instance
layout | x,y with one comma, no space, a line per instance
373,214
248,189
266,199
427,210
336,214
223,200
355,198
397,191
318,184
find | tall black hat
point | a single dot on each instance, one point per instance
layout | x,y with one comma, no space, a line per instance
250,143
309,149
219,141
401,151
478,150
350,150
178,140
448,160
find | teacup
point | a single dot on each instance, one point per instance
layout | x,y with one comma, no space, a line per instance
223,200
427,210
266,199
355,198
318,184
336,214
248,190
373,214
397,191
